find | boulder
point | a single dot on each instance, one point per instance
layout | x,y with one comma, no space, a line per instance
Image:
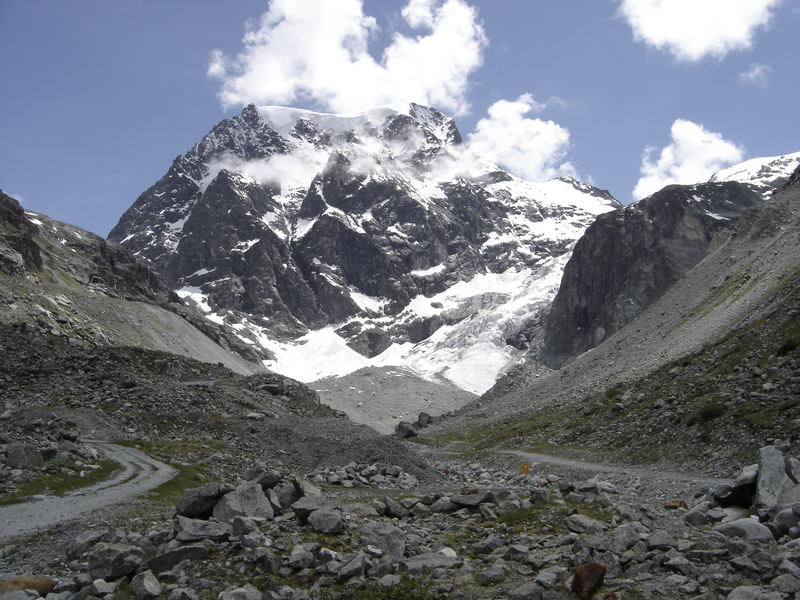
262,475
388,538
326,520
145,586
394,508
166,560
472,500
194,530
82,542
404,429
183,593
23,456
247,592
247,500
109,561
353,568
748,529
308,504
198,503
300,558
420,563
487,545
772,478
527,591
583,524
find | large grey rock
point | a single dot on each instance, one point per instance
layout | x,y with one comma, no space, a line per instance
388,538
527,591
326,520
145,586
198,503
753,592
623,537
300,558
285,494
23,456
82,542
416,565
183,593
109,561
262,475
583,524
748,529
20,595
472,500
247,500
166,560
772,478
247,592
308,504
194,530
353,568
394,508
487,545
444,505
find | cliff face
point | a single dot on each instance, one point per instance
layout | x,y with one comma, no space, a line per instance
629,257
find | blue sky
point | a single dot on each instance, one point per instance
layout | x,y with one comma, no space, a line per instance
99,97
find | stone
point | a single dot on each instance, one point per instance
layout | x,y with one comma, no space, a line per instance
198,503
394,509
404,429
546,579
355,567
243,525
698,515
785,520
747,592
582,524
145,586
444,505
621,538
284,494
772,478
194,530
494,574
247,500
82,542
388,538
300,558
262,475
308,504
19,595
42,584
487,545
416,565
527,591
389,580
166,560
247,592
748,529
472,500
326,520
588,578
101,587
183,593
23,456
109,561
786,584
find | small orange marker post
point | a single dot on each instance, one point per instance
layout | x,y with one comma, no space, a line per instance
525,468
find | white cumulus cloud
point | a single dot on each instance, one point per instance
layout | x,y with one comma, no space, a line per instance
757,75
694,29
317,50
529,147
693,155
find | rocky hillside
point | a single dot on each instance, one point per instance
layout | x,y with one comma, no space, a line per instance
714,359
374,239
66,281
629,257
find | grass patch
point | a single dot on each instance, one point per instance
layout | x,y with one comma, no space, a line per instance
552,516
58,484
417,588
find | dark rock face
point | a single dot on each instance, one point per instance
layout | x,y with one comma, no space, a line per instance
371,216
18,250
629,257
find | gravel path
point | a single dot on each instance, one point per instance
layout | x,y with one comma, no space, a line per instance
139,474
643,473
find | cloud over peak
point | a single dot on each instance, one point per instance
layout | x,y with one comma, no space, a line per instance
692,156
695,29
317,51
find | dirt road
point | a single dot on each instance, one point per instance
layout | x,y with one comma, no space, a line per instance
139,474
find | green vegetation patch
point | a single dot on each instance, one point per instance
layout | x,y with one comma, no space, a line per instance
417,588
58,484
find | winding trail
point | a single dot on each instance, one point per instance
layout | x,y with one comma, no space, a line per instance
139,474
639,472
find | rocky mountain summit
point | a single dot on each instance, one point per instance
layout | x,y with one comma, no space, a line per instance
375,238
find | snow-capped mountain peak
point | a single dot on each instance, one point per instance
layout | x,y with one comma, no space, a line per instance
372,238
766,173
